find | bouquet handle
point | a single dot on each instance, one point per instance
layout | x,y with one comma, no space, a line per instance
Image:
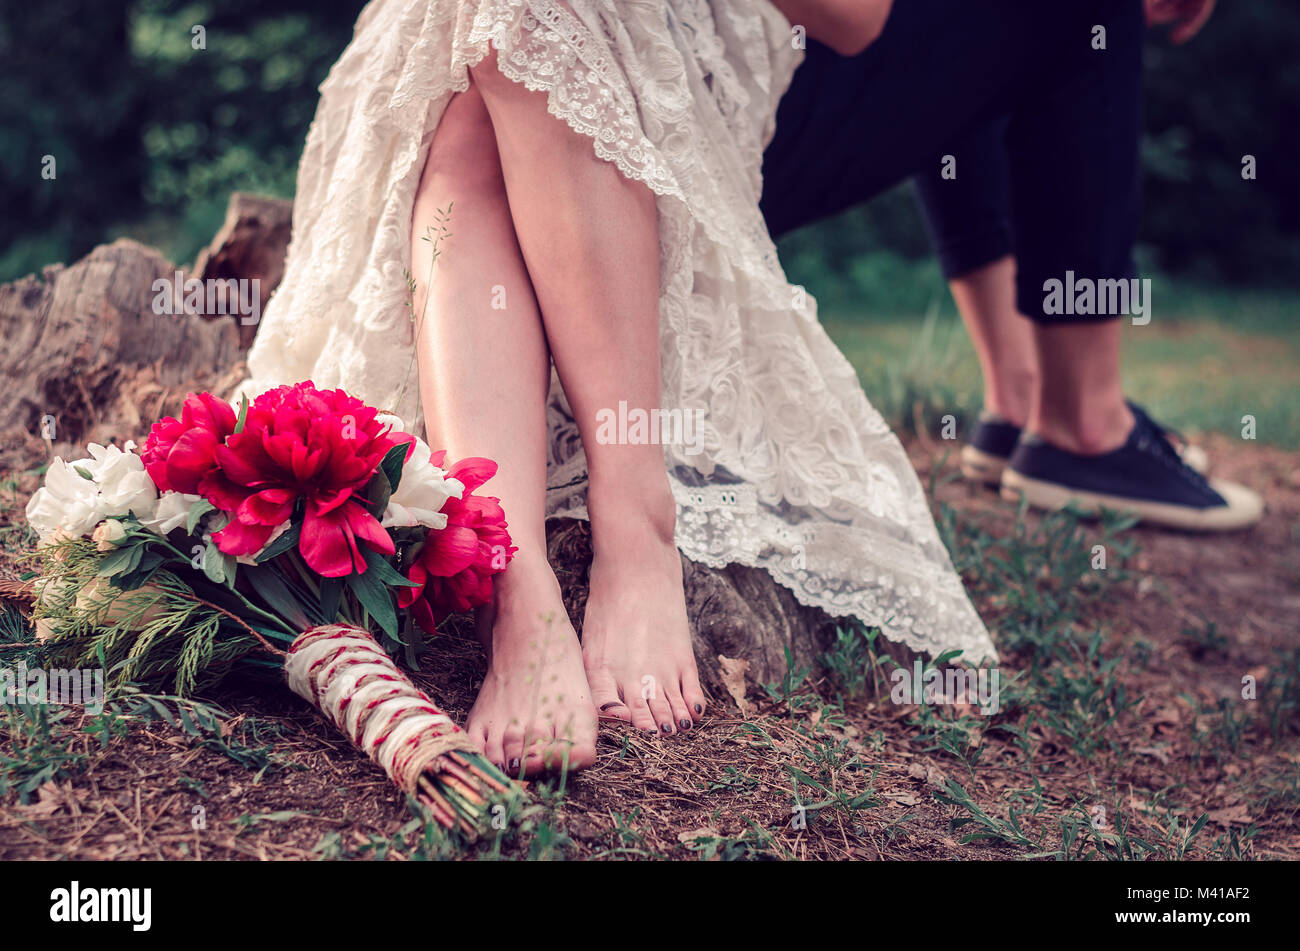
343,672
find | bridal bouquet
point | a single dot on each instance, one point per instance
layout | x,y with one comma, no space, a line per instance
304,532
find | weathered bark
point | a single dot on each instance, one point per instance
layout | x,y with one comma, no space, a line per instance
250,245
85,347
86,351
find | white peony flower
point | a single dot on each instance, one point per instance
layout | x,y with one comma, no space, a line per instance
173,511
73,504
423,488
421,492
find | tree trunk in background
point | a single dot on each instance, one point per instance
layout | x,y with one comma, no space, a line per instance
250,245
85,351
85,347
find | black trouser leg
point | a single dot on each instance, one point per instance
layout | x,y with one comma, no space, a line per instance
941,74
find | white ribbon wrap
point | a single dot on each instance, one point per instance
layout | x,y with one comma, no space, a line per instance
343,672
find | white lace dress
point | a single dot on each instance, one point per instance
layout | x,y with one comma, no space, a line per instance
799,475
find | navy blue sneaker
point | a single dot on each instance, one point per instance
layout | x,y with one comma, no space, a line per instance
988,448
994,438
1146,476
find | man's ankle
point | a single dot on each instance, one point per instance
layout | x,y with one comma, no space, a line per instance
1094,430
1011,396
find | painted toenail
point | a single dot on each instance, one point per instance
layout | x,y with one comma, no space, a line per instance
666,727
698,708
685,723
514,765
612,703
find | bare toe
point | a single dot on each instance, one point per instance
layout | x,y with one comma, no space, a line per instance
681,716
693,695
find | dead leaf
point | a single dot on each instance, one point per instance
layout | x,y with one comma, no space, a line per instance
48,802
929,774
686,838
1156,751
1170,714
733,678
1226,817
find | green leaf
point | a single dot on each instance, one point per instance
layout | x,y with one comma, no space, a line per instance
386,573
308,599
411,644
207,720
271,634
136,577
120,561
242,418
282,544
391,467
229,567
213,563
331,594
375,598
84,473
197,511
378,491
278,597
159,708
186,723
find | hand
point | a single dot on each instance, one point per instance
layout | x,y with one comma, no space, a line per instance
1188,15
846,26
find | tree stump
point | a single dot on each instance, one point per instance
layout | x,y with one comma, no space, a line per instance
86,349
250,245
87,357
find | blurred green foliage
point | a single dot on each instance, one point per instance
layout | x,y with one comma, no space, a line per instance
151,135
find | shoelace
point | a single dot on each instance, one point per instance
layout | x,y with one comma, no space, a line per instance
1161,428
1154,441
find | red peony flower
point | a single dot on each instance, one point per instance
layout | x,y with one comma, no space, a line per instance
300,443
180,452
455,567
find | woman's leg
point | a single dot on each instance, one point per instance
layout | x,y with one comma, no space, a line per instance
484,373
590,239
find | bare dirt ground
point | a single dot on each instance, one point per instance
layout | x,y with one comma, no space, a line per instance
1123,730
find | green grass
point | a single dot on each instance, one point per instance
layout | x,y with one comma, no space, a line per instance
1207,359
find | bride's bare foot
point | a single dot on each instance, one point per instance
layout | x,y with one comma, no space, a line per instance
534,709
636,639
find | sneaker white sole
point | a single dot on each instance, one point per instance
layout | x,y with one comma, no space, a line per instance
980,466
1244,507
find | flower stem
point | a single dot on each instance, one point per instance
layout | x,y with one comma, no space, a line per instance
238,620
